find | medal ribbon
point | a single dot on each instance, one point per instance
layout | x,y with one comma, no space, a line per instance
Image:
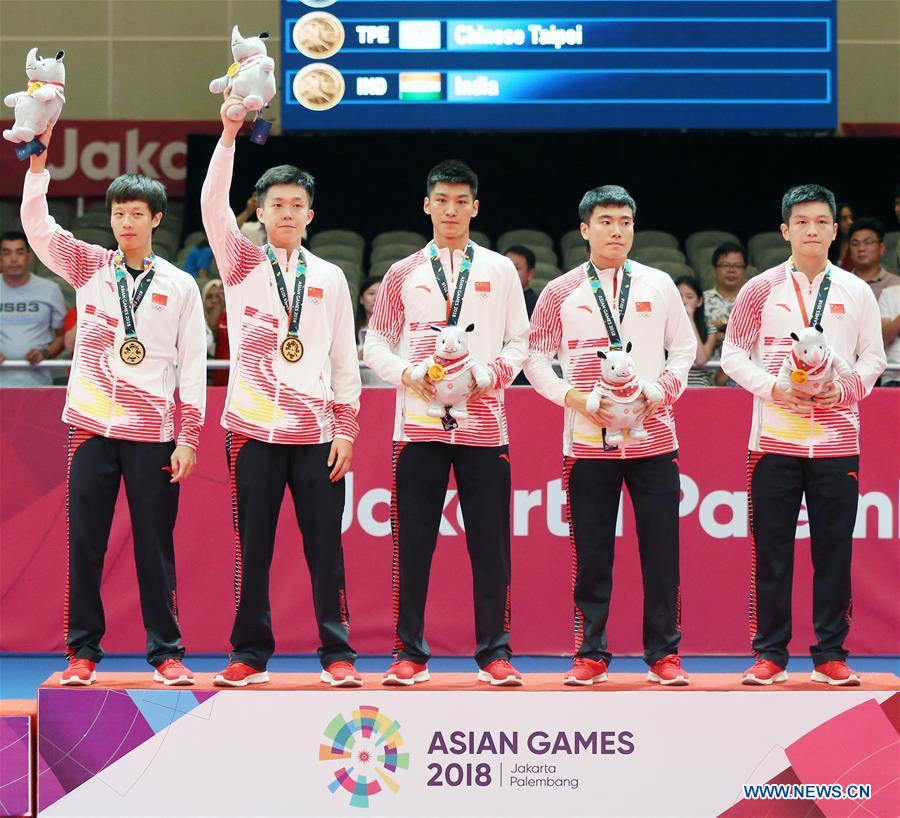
293,309
615,339
821,298
454,307
127,305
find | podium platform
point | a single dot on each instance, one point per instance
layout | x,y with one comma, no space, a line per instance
453,746
17,749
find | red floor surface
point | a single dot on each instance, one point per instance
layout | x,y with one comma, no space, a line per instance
534,682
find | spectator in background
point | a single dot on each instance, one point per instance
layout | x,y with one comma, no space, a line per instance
31,315
213,293
866,250
199,261
897,215
692,298
524,261
840,249
889,307
364,309
729,266
249,224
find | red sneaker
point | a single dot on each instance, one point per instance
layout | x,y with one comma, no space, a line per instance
341,674
835,673
172,672
79,672
586,672
500,673
237,674
404,672
668,671
764,672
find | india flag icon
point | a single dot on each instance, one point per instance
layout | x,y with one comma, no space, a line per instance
420,87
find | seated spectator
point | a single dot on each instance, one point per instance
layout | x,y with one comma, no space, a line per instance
249,223
364,308
524,262
217,327
866,250
839,252
692,298
31,315
729,266
889,307
199,260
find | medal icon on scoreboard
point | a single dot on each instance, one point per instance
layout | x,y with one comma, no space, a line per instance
318,35
318,86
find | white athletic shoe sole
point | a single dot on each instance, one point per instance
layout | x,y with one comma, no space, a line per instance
347,681
678,681
391,679
74,680
598,679
181,680
750,679
509,681
252,679
851,681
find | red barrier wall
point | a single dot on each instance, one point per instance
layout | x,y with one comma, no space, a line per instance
713,426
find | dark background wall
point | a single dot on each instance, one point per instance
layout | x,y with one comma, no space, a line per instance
682,182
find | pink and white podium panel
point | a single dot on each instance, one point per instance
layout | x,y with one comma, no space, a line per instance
715,562
375,752
16,757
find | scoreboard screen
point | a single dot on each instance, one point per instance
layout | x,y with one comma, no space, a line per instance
564,64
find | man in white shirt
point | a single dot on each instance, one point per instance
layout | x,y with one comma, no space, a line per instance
801,444
889,307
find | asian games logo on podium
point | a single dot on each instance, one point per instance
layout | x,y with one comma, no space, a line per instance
365,751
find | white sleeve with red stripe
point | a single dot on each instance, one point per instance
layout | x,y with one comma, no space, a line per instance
74,260
514,353
385,329
235,254
345,381
871,360
681,344
741,337
544,343
191,351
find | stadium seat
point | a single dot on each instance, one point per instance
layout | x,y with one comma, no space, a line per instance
571,239
408,237
380,268
705,238
676,269
62,211
327,237
761,242
352,270
654,255
772,257
9,213
481,239
544,255
529,238
889,259
701,257
95,235
337,253
393,251
654,238
575,256
95,218
545,272
193,239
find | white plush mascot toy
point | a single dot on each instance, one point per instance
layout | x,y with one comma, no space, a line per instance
251,76
40,104
811,365
452,371
628,394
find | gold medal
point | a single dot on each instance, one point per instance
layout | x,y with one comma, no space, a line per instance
233,69
34,86
798,376
291,349
318,86
435,373
318,35
132,352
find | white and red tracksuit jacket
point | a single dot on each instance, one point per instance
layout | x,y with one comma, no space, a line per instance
400,335
758,340
567,324
270,399
105,395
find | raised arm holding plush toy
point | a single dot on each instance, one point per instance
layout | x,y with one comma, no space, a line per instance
37,107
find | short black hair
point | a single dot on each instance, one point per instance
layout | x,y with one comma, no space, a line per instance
801,194
727,247
285,175
867,223
522,250
605,195
15,235
453,172
135,187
